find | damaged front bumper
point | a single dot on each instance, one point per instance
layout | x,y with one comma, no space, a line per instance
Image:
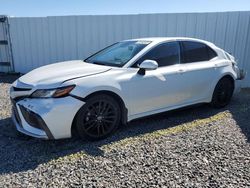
50,118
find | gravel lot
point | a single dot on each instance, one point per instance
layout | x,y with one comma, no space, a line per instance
195,147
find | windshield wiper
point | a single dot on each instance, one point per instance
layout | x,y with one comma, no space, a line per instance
103,63
98,63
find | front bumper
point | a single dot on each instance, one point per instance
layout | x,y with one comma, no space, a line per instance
45,118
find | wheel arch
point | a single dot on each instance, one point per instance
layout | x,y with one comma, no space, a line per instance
227,75
117,97
230,77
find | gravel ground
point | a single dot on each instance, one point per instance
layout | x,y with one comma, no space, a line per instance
195,147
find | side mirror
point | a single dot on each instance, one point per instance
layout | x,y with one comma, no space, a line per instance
147,65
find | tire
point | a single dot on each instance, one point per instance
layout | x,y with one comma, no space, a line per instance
222,93
98,118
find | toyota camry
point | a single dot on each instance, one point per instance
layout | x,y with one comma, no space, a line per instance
127,80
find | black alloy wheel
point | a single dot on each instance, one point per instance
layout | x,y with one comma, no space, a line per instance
98,118
223,93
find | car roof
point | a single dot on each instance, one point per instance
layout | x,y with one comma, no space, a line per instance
165,39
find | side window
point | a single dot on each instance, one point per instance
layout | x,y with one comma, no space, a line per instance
165,54
195,52
211,53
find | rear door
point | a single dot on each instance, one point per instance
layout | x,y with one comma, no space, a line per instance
199,70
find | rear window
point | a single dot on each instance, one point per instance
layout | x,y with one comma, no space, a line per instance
196,51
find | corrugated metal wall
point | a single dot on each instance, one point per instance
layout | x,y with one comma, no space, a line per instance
40,41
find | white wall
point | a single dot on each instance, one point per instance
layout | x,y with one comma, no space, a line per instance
40,41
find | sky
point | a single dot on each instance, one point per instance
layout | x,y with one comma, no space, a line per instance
41,8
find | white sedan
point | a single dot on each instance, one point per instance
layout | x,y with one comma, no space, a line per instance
127,80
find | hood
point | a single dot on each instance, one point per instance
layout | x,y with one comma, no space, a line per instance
59,72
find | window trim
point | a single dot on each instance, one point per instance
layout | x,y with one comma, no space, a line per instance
182,49
153,47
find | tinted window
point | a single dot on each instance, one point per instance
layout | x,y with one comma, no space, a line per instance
211,53
195,51
165,54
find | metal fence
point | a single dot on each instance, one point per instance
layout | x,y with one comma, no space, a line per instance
45,40
5,46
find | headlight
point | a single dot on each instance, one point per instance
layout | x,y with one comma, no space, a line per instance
57,92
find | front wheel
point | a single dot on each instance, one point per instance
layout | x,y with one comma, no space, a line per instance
222,93
98,118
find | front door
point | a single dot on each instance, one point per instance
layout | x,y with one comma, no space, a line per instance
160,88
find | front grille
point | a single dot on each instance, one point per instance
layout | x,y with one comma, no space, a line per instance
20,98
21,89
15,100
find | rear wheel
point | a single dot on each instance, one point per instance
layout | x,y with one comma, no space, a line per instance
222,93
98,118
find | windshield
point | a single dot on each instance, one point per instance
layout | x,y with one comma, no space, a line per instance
117,54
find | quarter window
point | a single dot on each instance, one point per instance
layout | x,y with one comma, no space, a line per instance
196,51
165,54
